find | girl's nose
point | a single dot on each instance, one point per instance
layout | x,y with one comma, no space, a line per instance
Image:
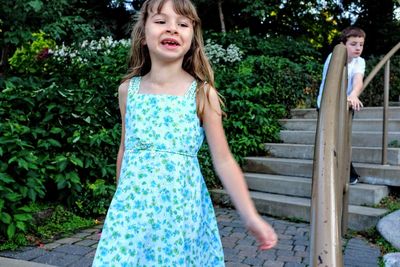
172,28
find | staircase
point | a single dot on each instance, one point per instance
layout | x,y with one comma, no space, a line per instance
280,183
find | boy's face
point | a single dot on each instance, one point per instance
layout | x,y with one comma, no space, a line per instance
354,47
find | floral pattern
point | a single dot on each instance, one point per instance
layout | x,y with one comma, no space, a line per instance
161,213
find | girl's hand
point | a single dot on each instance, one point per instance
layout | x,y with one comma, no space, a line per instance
263,232
356,104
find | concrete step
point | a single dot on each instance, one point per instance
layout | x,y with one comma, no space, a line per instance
359,154
370,173
360,218
358,125
359,194
362,139
365,113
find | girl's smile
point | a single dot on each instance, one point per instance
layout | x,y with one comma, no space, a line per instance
168,35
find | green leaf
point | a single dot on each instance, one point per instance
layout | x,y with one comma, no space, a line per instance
54,142
5,218
87,119
22,217
21,225
11,231
76,161
13,197
36,5
56,130
4,177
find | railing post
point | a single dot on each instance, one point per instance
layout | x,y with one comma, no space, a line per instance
344,154
385,112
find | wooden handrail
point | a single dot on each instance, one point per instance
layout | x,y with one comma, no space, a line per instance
379,66
385,61
332,154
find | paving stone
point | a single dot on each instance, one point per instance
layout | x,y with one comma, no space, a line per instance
30,254
68,240
285,236
90,230
73,249
284,246
58,259
392,259
234,258
253,261
94,237
14,253
294,264
299,248
289,258
235,264
82,262
51,246
273,264
81,235
91,254
387,224
86,242
267,254
284,252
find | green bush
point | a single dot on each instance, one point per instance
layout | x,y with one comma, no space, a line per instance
373,93
60,124
60,131
30,58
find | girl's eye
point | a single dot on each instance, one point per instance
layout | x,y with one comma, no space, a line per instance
160,22
183,24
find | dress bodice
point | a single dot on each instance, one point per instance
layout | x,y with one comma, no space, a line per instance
159,122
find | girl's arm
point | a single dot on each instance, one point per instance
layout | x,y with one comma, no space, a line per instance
231,175
356,92
122,94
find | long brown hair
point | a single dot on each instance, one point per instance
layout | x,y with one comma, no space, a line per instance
195,61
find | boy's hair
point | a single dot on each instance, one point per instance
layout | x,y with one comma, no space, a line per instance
195,61
351,32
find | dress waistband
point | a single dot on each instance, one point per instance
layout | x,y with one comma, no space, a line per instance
143,146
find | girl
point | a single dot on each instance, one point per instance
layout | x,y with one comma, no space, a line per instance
161,213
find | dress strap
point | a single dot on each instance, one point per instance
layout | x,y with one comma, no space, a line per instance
134,85
191,92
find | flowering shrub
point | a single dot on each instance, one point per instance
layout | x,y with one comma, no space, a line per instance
217,54
30,57
81,53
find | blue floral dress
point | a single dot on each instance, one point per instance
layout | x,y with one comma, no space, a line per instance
161,213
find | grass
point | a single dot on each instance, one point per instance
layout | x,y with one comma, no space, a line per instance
58,223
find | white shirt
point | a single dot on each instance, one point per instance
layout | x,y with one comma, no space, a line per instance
356,65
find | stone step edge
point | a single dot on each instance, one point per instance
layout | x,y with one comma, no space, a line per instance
360,194
303,207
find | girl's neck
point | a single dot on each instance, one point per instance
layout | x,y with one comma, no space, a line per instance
167,74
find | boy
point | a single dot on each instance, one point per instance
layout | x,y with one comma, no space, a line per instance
353,38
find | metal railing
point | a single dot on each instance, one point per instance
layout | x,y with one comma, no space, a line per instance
385,61
332,154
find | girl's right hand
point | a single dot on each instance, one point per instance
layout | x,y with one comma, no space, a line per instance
263,232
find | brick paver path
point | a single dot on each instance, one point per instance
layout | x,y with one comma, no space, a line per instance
239,246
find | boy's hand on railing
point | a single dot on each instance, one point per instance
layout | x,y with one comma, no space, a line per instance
355,102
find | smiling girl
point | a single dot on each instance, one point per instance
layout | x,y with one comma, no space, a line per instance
161,213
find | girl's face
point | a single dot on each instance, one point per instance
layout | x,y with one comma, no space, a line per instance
354,47
168,35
